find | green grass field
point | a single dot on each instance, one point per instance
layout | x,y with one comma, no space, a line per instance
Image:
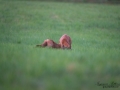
95,54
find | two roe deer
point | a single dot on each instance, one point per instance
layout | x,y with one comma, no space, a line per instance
64,43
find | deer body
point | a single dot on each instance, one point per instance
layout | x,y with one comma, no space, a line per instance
65,42
49,43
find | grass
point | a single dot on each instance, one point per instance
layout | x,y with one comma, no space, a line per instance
95,54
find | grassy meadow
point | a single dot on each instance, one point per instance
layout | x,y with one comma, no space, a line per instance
95,54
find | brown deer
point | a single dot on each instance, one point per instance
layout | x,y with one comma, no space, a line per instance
65,42
49,43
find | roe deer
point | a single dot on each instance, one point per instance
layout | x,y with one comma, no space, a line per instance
49,43
65,42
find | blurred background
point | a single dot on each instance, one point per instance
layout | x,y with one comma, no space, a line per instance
85,1
92,64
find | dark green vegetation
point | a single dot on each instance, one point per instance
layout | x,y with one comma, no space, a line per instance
95,54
